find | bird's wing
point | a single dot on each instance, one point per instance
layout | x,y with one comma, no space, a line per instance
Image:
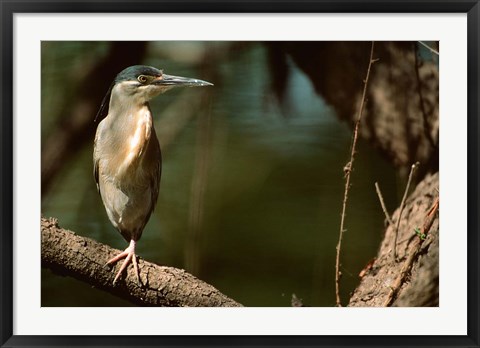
95,157
155,159
156,184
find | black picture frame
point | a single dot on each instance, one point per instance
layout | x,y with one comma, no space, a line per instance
11,7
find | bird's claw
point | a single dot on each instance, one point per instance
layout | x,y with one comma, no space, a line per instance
129,256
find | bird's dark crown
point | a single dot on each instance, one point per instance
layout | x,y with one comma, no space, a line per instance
132,72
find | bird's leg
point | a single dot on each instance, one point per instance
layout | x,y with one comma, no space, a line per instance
129,255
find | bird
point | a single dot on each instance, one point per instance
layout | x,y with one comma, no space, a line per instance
127,160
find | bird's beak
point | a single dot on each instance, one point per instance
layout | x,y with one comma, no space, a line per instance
178,81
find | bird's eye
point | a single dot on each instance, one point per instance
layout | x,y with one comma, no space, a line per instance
142,78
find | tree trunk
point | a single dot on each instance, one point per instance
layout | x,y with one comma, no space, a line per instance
401,114
412,279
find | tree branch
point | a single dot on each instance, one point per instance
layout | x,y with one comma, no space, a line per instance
82,258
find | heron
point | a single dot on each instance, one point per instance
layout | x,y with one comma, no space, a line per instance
127,158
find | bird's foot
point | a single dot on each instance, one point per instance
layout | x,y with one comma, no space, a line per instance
129,255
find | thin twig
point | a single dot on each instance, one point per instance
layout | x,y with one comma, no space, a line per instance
402,206
431,49
348,170
382,203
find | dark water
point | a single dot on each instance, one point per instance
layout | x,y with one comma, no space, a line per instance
250,197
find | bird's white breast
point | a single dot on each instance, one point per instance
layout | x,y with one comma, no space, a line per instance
136,144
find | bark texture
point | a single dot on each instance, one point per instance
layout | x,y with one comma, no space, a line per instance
412,280
82,258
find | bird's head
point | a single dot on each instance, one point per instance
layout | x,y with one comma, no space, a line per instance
145,82
138,84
